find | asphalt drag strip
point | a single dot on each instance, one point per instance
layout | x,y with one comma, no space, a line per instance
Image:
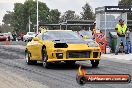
59,75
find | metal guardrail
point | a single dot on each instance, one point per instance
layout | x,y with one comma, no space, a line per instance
65,24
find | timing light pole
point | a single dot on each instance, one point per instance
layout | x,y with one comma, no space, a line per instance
29,24
37,16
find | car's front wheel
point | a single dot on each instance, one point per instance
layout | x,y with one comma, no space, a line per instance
95,63
27,57
45,58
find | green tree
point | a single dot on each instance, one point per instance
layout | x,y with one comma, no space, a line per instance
22,12
6,28
54,16
126,3
69,15
7,19
87,13
18,17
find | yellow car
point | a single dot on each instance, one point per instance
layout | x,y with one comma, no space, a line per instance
61,46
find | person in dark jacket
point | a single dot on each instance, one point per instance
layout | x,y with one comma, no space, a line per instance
14,35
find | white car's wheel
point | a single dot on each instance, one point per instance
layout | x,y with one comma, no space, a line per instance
24,39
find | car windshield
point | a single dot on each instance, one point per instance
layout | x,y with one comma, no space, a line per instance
31,33
86,33
62,35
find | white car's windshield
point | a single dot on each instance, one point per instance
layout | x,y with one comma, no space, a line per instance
31,33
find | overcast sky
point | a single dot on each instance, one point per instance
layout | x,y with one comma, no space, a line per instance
61,5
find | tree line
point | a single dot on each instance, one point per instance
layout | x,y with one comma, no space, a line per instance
18,19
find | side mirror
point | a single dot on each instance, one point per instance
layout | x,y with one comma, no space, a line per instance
35,39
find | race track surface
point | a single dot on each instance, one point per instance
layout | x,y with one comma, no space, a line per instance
15,73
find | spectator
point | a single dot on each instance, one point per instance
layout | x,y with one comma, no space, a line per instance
14,35
121,29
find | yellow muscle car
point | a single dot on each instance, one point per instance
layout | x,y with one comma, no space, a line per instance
61,46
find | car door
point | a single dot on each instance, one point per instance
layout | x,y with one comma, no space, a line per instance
36,49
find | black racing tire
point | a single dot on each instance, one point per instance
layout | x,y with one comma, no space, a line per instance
95,63
45,58
27,57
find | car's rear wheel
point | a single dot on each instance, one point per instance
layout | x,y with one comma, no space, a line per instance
95,63
45,58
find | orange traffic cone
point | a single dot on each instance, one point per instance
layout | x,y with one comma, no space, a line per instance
7,41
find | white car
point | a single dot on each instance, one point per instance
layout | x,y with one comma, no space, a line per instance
28,36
